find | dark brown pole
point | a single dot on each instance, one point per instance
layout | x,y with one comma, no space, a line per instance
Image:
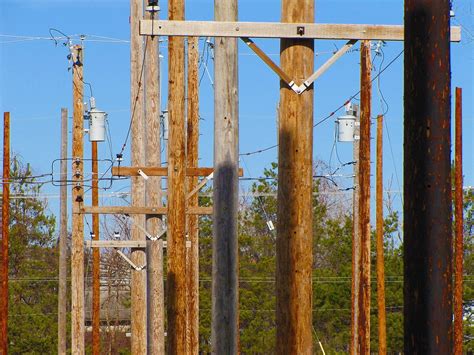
459,226
382,331
193,220
176,276
428,312
95,256
63,249
77,253
295,180
225,287
5,234
364,198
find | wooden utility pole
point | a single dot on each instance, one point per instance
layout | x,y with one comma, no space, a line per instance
225,322
154,250
77,255
192,147
62,287
95,256
5,235
295,180
382,331
459,228
138,279
427,210
176,277
355,242
364,198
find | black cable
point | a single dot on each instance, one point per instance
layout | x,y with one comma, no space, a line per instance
54,38
136,99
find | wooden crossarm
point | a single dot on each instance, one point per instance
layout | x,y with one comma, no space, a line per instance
160,171
279,30
139,210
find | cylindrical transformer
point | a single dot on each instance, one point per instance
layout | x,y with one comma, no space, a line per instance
345,128
97,125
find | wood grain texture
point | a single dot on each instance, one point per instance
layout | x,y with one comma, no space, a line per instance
154,224
459,229
364,198
63,243
382,323
176,273
355,244
279,30
95,256
192,150
295,220
77,228
160,171
225,323
138,278
427,179
138,210
5,225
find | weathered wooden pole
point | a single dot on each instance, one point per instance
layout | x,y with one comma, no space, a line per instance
225,322
95,255
459,228
192,149
77,250
155,286
364,198
63,249
382,331
176,276
355,242
138,278
428,313
295,180
5,235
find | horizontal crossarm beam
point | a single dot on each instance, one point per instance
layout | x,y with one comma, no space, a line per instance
160,171
122,244
140,210
116,244
278,30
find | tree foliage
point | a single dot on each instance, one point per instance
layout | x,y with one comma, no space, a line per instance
33,272
33,269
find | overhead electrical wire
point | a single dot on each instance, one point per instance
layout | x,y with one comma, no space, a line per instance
334,111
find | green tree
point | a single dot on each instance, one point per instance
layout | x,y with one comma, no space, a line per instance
33,258
468,296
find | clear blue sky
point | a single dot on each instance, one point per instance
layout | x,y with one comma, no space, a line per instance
35,82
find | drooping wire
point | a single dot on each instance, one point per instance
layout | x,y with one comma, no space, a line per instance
381,96
51,30
136,99
260,202
337,109
88,84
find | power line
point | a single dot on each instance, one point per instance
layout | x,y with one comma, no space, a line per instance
337,109
139,84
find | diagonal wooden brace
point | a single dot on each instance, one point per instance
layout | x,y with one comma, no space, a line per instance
307,83
273,66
